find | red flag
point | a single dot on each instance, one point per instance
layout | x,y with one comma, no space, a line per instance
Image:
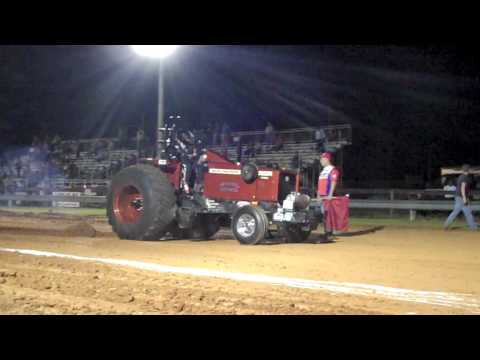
337,214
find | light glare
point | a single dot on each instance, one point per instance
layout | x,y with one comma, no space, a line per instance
154,51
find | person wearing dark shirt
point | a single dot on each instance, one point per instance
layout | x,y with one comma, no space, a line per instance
462,200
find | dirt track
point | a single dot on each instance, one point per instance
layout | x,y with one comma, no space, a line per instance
428,260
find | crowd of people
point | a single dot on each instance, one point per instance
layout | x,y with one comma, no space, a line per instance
52,158
220,135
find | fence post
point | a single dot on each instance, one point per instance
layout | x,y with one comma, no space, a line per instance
9,203
413,215
392,198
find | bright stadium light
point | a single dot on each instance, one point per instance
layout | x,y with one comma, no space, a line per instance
158,52
154,51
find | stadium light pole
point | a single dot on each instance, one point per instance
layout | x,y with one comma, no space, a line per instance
159,53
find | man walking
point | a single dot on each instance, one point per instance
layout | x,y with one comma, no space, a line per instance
462,199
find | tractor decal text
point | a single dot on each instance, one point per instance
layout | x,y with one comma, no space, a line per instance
229,187
225,171
265,173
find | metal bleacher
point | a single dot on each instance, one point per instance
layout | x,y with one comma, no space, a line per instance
300,143
88,165
297,142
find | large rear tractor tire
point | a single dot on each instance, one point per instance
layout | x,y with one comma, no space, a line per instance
250,225
141,203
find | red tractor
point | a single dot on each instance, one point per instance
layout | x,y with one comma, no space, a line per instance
190,193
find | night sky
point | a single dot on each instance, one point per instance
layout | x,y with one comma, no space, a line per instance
412,108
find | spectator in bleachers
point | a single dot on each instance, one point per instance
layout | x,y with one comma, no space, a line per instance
132,160
101,173
269,134
100,149
295,162
73,171
78,149
320,139
278,143
474,182
55,142
238,141
36,141
140,140
115,167
258,147
34,171
122,138
18,168
250,151
225,135
215,133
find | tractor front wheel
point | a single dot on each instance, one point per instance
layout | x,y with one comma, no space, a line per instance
250,225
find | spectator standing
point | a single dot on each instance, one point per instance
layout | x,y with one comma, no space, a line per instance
329,177
462,200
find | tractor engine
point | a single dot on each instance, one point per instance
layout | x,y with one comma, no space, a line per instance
298,209
293,210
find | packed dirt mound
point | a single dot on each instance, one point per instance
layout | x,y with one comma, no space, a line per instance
51,216
82,229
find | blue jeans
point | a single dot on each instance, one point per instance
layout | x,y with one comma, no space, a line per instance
459,207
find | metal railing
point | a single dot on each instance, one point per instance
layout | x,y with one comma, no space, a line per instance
411,205
410,194
336,135
48,200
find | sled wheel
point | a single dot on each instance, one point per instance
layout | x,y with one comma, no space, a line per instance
294,233
203,229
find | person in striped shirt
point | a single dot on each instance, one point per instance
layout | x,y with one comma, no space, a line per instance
329,177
